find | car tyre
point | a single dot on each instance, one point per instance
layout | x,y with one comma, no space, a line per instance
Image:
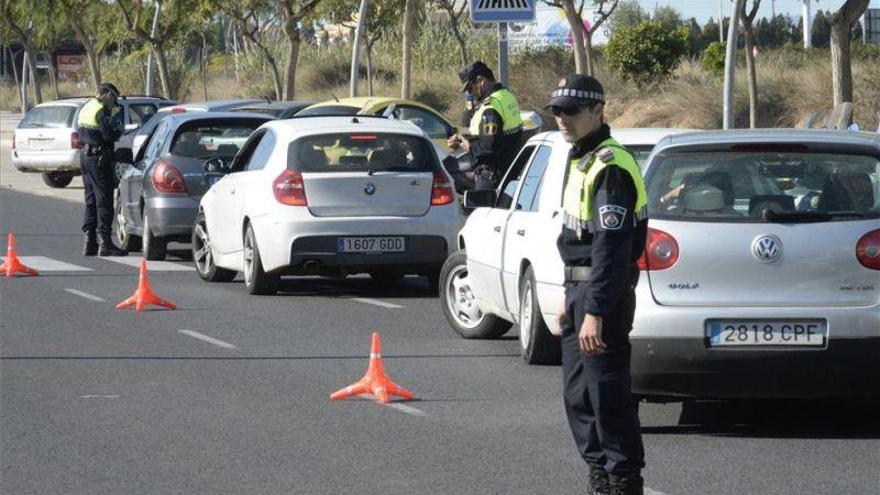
57,180
125,240
154,248
204,257
257,281
459,305
537,344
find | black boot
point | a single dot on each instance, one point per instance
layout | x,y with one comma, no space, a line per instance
106,247
90,247
599,484
626,485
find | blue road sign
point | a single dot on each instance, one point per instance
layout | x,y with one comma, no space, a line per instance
502,10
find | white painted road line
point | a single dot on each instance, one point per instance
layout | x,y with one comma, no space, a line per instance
400,407
210,340
84,294
44,264
649,491
153,266
376,302
99,396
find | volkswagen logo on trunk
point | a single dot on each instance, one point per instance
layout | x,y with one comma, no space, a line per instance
767,248
369,189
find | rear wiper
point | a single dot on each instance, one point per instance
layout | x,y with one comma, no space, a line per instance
773,216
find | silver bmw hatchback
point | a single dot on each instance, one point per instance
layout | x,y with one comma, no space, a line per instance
761,277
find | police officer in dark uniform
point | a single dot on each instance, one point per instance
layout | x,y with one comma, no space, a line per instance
99,126
604,232
495,133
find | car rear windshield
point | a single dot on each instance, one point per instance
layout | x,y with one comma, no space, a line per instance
52,116
207,140
362,152
328,110
757,187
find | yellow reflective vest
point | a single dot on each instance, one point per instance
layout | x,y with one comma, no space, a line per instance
503,102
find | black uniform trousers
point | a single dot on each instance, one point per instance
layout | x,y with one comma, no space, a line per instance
602,414
97,174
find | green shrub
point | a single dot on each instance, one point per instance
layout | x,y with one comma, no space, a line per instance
713,58
646,54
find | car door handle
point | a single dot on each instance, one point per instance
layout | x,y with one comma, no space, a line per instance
497,228
231,190
521,232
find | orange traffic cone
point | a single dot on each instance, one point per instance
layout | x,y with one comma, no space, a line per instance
375,381
143,296
12,264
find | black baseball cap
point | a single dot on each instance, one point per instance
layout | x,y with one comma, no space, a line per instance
470,72
109,88
576,90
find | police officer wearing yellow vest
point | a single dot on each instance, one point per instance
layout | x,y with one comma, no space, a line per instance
604,232
495,126
99,126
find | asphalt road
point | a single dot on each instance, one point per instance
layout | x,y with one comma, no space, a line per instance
230,394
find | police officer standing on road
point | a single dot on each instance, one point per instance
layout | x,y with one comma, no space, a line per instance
495,126
99,126
604,232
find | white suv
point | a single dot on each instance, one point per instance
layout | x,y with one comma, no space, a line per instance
327,196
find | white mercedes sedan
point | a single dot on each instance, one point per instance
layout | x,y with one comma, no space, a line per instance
328,196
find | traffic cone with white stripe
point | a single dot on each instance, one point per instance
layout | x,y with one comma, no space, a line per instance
143,296
12,265
375,381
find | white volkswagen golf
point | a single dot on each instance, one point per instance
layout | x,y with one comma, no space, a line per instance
329,196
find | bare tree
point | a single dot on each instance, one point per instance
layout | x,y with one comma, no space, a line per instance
455,10
842,23
406,39
16,15
730,65
581,37
79,13
747,20
293,13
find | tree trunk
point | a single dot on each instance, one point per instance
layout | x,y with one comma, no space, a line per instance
90,53
267,57
35,77
53,76
459,38
368,52
577,36
203,65
588,50
406,39
164,76
730,66
842,22
293,40
753,78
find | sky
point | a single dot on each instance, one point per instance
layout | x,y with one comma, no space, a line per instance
704,9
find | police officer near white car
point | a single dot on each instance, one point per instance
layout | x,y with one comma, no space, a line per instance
604,233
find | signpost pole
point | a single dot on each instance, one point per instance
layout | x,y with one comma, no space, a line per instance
502,52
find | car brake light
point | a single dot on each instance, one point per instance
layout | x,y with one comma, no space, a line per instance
178,110
441,190
661,251
868,250
74,141
167,179
289,188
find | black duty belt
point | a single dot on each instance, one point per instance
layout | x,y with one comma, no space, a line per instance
577,273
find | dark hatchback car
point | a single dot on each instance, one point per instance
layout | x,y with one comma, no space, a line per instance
277,109
159,193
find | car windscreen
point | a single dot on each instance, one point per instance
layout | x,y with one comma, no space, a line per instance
209,139
362,152
52,116
328,110
757,187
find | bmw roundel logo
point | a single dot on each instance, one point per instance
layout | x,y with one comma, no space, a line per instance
369,189
767,248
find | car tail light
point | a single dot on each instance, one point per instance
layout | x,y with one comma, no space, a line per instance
289,188
178,110
167,179
868,250
441,190
74,141
661,251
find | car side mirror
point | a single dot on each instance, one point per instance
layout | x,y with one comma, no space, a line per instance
217,166
123,155
480,198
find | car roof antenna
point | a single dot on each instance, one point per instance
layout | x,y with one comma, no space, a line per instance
334,97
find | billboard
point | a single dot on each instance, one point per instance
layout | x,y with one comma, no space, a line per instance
551,28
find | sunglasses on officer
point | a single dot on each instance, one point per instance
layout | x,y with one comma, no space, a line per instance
570,111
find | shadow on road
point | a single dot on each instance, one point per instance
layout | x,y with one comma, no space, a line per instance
830,419
358,286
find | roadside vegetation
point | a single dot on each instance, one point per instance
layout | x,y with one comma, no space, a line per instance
233,52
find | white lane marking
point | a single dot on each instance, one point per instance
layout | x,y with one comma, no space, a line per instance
153,266
400,407
99,396
84,294
210,340
649,491
44,264
376,302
